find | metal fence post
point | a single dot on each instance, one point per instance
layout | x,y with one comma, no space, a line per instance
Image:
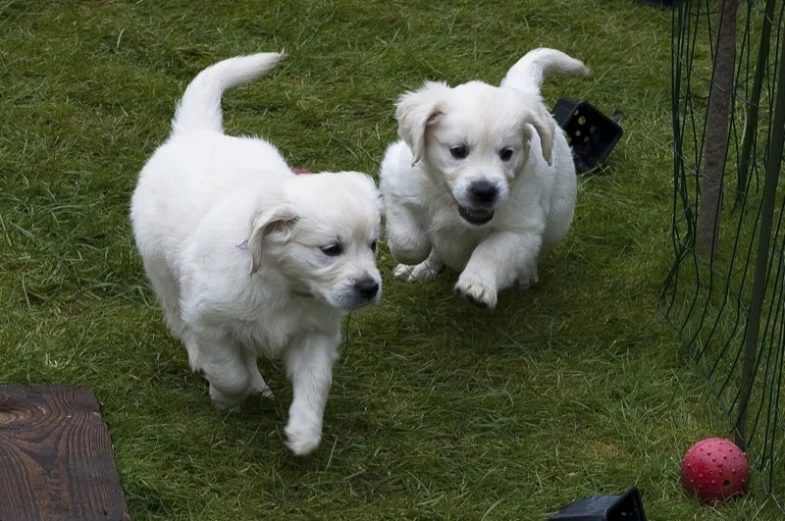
773,165
742,179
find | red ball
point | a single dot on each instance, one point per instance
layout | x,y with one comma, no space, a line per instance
715,469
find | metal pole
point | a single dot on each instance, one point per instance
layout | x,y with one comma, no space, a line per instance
773,165
752,108
717,127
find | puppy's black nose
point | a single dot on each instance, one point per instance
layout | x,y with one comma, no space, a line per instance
483,192
367,288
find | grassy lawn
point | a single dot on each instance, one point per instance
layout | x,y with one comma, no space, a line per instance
439,410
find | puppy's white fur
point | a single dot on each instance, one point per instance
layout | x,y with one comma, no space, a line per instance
248,259
482,180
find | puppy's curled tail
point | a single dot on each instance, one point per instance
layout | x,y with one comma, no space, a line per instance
528,74
200,106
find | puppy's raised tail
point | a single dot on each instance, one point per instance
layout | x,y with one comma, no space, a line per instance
528,74
200,106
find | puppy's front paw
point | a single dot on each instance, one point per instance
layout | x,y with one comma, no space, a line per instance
302,440
477,292
195,362
529,276
422,272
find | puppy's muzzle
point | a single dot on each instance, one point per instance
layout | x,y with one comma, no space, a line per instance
482,196
359,293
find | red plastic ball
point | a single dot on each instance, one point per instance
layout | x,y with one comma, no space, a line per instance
715,469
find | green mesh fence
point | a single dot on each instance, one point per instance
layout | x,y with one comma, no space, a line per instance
725,293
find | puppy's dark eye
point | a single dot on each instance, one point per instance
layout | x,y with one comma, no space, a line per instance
505,154
373,246
332,250
459,152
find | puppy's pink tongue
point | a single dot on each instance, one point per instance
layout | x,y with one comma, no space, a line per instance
298,171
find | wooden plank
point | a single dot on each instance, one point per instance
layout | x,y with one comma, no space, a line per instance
56,459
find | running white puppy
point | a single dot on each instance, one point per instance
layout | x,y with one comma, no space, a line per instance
248,259
483,181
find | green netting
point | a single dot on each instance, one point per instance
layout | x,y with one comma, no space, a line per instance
726,291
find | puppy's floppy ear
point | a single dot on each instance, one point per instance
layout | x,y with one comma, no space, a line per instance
383,222
378,202
415,111
539,117
278,221
382,217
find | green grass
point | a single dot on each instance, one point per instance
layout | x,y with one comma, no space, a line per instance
439,411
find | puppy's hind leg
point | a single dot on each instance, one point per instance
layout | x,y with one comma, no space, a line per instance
422,272
406,237
224,366
410,245
258,385
167,289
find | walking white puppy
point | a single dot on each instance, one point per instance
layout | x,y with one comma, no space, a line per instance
483,180
248,259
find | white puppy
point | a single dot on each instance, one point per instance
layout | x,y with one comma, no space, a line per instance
483,180
248,259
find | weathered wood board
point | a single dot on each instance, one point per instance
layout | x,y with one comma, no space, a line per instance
56,458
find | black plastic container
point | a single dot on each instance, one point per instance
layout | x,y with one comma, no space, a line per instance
626,507
662,4
591,134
